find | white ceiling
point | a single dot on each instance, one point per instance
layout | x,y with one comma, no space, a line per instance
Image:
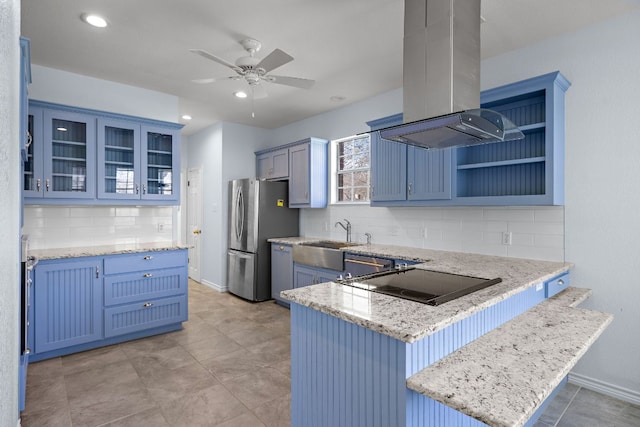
352,48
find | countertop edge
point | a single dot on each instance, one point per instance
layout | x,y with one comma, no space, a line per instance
102,250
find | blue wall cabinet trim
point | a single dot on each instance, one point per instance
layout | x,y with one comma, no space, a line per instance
281,271
89,302
67,303
524,172
346,375
25,80
101,159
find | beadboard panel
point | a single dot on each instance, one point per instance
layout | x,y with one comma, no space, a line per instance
347,375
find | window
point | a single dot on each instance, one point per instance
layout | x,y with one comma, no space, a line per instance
351,166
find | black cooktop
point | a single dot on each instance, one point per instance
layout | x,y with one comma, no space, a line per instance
425,286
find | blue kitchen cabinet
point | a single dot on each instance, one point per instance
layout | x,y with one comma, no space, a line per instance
403,173
388,164
84,156
25,80
67,303
522,172
529,171
90,302
281,271
308,173
304,275
160,163
273,164
69,156
118,159
428,174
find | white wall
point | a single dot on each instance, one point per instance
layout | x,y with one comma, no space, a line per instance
206,149
63,87
602,198
10,201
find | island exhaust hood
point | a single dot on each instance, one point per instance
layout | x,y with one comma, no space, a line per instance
441,79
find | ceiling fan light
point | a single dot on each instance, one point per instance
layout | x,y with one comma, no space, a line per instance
240,94
94,20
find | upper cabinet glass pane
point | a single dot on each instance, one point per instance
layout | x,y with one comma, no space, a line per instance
159,163
69,159
119,161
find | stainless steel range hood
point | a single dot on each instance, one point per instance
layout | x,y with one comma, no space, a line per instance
442,79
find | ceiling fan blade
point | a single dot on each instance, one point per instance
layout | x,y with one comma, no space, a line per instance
259,92
275,59
203,81
214,58
292,81
211,80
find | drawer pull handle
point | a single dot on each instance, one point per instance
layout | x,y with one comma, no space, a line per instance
147,275
147,304
560,282
147,257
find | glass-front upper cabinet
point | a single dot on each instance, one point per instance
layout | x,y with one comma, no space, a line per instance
33,173
69,155
118,159
160,163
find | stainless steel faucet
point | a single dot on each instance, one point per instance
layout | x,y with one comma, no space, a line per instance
346,227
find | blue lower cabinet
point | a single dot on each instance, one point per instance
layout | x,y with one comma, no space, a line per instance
345,375
84,303
304,275
124,319
68,303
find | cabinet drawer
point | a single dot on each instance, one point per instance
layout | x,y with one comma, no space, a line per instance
131,287
143,261
556,285
148,314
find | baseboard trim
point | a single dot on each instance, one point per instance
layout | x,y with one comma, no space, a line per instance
607,389
215,286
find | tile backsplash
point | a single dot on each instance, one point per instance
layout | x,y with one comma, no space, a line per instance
72,226
536,232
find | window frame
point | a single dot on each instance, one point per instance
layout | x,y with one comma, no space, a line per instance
335,172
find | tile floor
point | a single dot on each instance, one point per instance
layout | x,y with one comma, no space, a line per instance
228,367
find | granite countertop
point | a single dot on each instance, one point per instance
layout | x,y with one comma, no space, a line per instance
410,321
503,377
82,251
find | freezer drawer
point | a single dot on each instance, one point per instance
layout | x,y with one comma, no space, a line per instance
241,274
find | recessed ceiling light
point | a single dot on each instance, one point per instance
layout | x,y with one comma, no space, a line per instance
95,20
240,94
186,117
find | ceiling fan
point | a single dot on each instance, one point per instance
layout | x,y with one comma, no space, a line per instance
255,70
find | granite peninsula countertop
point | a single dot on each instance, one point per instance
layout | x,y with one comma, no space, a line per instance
503,377
84,251
409,321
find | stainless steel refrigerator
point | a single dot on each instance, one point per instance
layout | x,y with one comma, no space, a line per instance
258,210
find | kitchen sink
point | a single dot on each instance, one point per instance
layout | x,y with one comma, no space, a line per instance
324,254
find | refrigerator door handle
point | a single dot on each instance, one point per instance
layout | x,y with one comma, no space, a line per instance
240,216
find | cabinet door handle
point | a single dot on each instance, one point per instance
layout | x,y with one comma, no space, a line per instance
38,184
97,272
137,189
281,248
147,304
46,184
147,275
409,189
144,188
560,282
147,257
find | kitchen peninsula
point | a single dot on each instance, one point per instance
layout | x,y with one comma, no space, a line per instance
359,358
